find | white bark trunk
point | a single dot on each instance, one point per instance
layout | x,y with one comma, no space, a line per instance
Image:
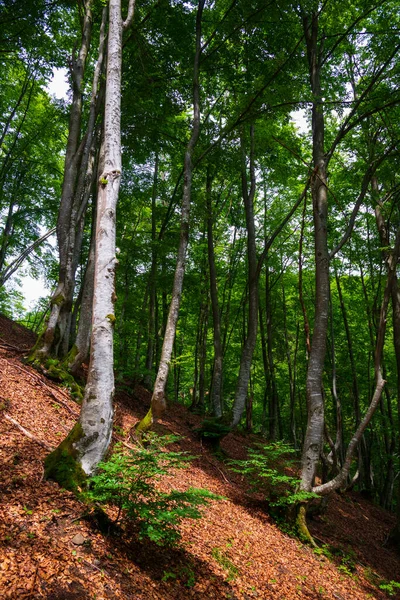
97,409
340,479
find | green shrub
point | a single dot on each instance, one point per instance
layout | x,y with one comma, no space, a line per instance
128,480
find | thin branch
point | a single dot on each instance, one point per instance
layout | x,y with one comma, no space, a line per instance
28,433
364,188
129,17
277,231
347,126
15,264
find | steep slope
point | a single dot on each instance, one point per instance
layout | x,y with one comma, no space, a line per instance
235,551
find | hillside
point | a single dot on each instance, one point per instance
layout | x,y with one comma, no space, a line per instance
236,551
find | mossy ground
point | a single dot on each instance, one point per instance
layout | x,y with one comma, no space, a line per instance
57,371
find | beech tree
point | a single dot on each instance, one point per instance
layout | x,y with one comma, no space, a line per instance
87,443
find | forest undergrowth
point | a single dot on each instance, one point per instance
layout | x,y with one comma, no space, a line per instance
236,551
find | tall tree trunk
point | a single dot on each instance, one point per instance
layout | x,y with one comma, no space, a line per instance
203,355
395,297
148,378
61,303
77,185
88,441
158,402
216,385
273,398
292,389
80,350
340,479
306,323
250,342
267,390
315,406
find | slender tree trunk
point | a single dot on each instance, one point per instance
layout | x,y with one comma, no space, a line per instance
250,342
306,323
395,297
123,353
82,342
13,112
61,303
273,398
140,332
216,385
17,262
7,232
293,424
340,479
158,402
203,355
148,378
290,370
196,369
267,390
332,459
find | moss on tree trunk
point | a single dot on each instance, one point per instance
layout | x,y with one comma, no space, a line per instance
62,464
302,528
145,424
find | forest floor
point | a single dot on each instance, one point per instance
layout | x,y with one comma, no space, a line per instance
235,551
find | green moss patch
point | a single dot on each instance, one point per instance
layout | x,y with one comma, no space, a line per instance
61,465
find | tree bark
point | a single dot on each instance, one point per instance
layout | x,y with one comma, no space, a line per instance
340,479
273,398
61,303
82,342
148,378
216,385
315,405
158,402
250,341
77,185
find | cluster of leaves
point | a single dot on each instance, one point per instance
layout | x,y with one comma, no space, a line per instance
265,470
128,481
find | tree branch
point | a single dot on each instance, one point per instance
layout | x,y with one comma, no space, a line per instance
129,17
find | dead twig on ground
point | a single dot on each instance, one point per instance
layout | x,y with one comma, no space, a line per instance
28,433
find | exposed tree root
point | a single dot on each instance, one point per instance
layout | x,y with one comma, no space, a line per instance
56,370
